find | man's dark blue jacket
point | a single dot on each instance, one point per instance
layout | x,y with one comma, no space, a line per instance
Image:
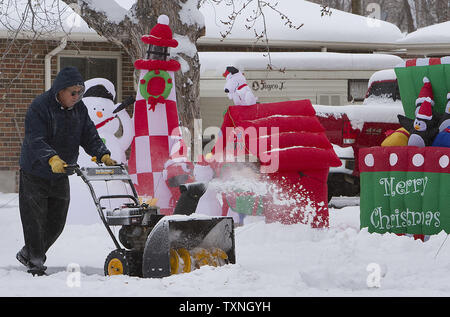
52,130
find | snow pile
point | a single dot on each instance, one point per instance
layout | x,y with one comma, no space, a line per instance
115,12
383,75
343,153
378,111
190,15
272,260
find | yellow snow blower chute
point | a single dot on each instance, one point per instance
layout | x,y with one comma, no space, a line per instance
155,245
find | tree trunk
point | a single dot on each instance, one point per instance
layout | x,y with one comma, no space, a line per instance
442,9
409,17
357,7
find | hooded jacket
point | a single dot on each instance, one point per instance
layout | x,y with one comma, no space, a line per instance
52,130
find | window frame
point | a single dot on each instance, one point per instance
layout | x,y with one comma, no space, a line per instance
95,54
349,82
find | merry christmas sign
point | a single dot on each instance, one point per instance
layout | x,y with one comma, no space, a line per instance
405,189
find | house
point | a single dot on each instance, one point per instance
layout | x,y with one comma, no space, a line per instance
29,64
325,78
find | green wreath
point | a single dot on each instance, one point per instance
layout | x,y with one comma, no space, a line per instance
145,81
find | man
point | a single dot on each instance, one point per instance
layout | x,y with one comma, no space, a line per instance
56,124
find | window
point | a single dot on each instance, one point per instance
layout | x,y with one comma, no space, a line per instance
357,89
329,100
91,66
384,88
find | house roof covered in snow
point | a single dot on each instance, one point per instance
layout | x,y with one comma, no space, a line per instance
330,30
433,34
433,39
216,62
338,30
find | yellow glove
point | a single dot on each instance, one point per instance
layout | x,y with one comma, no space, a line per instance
108,160
57,164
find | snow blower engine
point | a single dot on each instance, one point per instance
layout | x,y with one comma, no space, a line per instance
156,245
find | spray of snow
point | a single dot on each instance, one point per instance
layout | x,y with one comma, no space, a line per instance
296,200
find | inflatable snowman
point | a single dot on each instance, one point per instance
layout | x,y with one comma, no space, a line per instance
99,100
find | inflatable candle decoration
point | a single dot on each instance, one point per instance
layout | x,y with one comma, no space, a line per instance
158,162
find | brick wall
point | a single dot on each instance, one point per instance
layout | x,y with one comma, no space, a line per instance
22,78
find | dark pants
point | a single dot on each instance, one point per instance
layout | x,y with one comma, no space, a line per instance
43,205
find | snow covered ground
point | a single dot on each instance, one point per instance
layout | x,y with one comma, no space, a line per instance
273,260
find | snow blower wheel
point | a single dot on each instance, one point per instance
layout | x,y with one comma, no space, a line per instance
123,262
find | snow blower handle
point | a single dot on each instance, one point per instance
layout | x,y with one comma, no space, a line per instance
72,168
100,163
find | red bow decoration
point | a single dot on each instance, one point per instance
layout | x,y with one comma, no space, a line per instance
152,101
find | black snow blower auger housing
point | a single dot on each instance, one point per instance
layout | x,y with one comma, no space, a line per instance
155,245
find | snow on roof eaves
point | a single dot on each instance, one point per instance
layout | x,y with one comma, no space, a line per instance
73,36
299,44
437,34
218,61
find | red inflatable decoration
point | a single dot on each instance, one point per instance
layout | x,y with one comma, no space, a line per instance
292,149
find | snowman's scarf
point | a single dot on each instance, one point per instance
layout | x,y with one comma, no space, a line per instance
101,124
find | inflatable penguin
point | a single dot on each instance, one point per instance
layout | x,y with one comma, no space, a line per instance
443,137
424,130
444,122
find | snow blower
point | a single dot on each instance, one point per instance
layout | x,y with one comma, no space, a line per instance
155,245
